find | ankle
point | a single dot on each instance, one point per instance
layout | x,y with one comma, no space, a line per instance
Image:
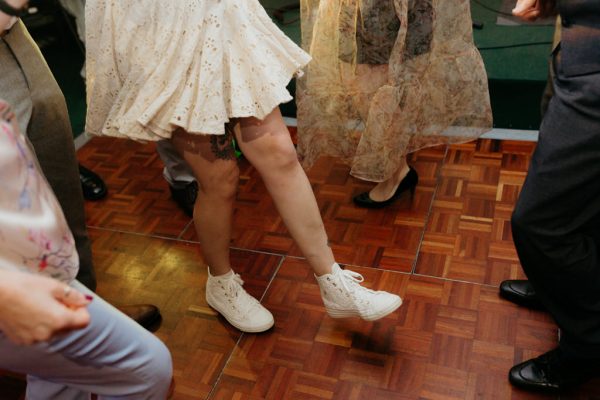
333,270
324,269
402,172
219,272
389,185
398,176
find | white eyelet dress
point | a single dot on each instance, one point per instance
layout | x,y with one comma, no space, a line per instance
154,66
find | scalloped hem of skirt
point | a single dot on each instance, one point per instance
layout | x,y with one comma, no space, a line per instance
150,133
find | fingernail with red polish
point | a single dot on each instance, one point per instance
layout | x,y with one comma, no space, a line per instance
88,297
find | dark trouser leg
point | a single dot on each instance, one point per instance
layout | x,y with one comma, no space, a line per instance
547,95
549,89
49,131
556,221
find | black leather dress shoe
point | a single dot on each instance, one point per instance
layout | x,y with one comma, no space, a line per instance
185,197
552,372
93,186
408,183
520,291
147,315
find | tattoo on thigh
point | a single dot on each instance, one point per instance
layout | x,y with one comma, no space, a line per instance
222,145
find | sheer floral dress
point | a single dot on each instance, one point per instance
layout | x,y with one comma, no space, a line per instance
388,77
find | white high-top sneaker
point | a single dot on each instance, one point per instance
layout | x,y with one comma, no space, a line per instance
226,295
344,297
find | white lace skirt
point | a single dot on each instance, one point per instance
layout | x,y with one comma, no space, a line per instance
154,66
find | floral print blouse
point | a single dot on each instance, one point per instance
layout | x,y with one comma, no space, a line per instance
34,235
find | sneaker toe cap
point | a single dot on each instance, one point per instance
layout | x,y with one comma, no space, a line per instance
386,304
260,321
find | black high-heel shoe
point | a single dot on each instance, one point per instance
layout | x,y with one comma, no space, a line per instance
408,183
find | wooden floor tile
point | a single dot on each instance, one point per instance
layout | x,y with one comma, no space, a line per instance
386,238
134,269
138,196
139,201
444,251
468,235
307,347
436,346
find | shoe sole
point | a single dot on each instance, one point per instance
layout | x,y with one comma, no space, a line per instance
348,314
531,387
518,300
258,329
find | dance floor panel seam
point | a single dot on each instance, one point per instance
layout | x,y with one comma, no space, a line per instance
443,250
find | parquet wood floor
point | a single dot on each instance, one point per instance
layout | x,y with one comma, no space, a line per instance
444,251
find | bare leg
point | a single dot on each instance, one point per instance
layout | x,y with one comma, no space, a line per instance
213,162
268,146
386,189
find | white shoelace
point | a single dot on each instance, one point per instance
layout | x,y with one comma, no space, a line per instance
351,281
234,288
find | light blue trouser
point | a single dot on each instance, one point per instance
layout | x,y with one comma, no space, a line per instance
113,357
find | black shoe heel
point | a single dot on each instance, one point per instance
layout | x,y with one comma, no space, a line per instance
414,182
409,183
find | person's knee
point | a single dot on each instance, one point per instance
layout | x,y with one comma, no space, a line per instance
533,231
528,218
163,365
279,157
157,368
287,157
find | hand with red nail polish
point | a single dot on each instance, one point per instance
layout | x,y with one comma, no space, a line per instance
34,308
